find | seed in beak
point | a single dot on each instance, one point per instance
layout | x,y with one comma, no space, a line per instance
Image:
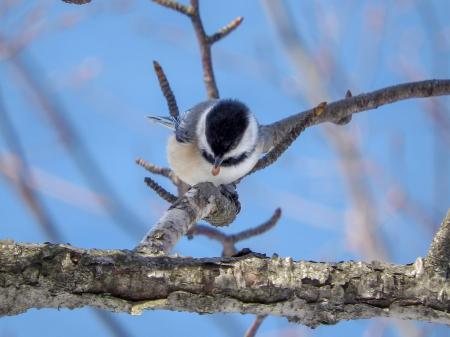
216,166
215,170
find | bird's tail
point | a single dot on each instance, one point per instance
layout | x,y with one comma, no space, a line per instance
168,122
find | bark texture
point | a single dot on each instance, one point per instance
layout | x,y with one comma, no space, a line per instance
312,293
203,201
439,254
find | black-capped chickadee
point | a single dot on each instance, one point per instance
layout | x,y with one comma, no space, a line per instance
217,141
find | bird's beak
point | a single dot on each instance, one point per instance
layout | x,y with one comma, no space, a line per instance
216,167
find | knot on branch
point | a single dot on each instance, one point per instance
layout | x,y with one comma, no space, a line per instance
224,206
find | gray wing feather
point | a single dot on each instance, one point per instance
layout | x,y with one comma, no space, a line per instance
168,122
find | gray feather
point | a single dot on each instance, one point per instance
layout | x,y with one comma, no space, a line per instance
168,122
185,127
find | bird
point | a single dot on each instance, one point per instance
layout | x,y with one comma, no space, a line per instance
217,141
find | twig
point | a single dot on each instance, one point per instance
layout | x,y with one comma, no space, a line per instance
205,41
258,230
115,327
251,332
77,2
224,31
166,90
205,51
229,248
229,241
175,5
163,171
439,253
161,191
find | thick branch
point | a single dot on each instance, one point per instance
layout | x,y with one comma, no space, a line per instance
312,293
203,201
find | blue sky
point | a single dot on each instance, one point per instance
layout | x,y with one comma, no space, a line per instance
95,63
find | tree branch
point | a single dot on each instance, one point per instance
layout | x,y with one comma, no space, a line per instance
77,2
161,191
205,41
311,293
166,90
439,253
251,332
203,201
229,241
282,133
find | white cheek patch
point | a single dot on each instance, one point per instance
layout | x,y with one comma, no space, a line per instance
201,134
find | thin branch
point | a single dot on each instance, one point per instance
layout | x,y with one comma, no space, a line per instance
251,332
224,31
258,230
166,90
161,191
439,253
372,100
229,241
205,52
163,171
115,327
205,42
175,5
282,133
229,248
77,2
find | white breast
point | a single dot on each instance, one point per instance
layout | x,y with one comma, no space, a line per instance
188,164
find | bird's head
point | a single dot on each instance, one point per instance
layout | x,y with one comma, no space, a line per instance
227,133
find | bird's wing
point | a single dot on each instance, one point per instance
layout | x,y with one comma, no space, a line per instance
168,122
